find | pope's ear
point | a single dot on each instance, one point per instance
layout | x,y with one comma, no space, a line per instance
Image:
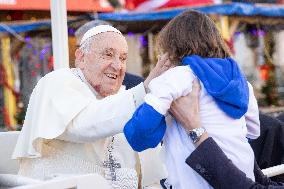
79,55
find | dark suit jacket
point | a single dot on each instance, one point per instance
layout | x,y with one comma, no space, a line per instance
131,80
281,117
212,164
269,146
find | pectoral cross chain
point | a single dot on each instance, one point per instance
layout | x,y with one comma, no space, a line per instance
111,164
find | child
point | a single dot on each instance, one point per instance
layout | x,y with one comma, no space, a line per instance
228,108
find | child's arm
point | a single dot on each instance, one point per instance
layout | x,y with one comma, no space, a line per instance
252,116
172,84
147,126
145,129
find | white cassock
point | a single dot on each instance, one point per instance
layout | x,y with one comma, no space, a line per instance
70,130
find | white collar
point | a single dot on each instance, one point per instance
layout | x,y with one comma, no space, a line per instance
78,72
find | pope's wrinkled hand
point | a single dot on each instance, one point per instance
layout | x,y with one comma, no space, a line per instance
162,65
188,117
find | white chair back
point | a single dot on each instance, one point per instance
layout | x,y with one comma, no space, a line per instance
89,181
274,171
8,141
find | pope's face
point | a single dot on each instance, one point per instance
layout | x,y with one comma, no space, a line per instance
104,64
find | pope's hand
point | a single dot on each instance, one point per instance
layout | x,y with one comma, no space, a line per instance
162,65
186,109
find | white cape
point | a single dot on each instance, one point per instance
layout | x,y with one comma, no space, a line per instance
49,111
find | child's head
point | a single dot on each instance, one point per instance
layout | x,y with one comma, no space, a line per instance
189,33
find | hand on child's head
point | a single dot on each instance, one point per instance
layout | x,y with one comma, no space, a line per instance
162,65
163,60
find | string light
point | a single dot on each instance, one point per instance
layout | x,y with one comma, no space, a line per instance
43,51
130,34
35,52
71,31
27,38
143,41
258,33
41,57
29,45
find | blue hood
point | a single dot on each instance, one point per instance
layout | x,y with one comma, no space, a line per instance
224,81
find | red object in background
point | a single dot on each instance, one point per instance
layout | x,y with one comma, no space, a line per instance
132,4
50,63
16,15
264,72
6,118
37,65
230,44
72,5
33,73
148,5
179,3
4,82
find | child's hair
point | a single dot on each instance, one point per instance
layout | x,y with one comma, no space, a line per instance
189,33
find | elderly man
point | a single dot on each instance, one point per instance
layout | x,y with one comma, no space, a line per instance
75,116
130,80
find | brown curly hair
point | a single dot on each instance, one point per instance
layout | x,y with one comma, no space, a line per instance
189,33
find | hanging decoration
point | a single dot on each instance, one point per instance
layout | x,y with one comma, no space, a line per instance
227,31
270,87
8,81
264,72
29,63
151,5
34,61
